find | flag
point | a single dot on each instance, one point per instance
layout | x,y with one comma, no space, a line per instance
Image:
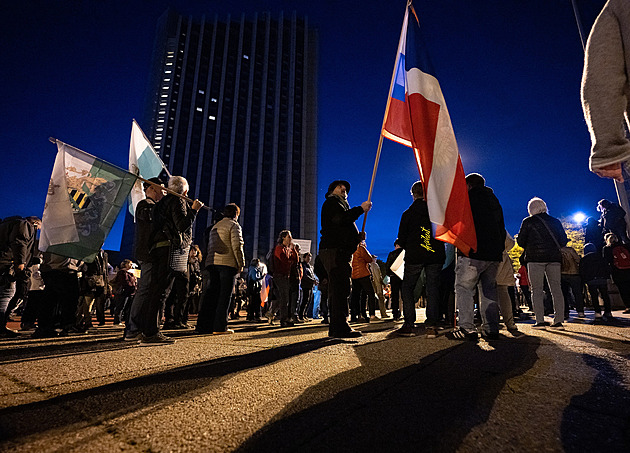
416,116
144,162
84,198
266,287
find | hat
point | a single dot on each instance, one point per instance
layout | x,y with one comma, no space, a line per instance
338,182
154,180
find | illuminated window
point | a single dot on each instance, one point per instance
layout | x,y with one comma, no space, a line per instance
213,100
199,109
201,92
164,95
246,57
211,118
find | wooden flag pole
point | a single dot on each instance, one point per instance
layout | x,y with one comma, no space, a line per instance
166,189
389,100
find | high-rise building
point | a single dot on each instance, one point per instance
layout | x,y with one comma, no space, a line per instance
233,108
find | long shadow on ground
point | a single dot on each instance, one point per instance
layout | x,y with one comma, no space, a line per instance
599,420
428,406
98,404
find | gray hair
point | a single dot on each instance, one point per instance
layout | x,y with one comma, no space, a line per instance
178,184
536,206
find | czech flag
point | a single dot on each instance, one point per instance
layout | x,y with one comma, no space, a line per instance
416,116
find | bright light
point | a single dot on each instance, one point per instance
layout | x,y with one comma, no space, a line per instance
579,217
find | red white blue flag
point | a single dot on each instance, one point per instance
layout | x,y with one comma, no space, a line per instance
417,117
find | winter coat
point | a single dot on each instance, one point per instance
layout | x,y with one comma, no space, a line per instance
144,228
285,259
505,274
173,218
538,244
618,275
225,244
593,269
17,239
489,224
338,228
361,260
415,236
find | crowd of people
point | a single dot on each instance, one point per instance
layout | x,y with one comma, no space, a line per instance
172,278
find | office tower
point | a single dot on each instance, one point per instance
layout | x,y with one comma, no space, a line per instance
233,108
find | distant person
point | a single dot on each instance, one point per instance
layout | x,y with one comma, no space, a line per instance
422,253
617,257
478,271
224,260
339,240
505,280
571,282
394,280
377,285
613,219
362,289
307,284
171,238
605,87
542,236
322,286
594,233
595,273
126,284
285,259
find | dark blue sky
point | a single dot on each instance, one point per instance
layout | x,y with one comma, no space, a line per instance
510,73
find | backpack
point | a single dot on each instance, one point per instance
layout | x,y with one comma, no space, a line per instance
621,257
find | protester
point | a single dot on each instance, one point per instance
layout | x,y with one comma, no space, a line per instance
93,289
595,273
394,280
285,259
479,269
542,236
422,253
571,282
307,283
605,84
613,219
142,304
377,286
505,280
339,240
322,286
255,276
195,281
594,234
17,247
224,260
362,290
125,285
617,257
171,237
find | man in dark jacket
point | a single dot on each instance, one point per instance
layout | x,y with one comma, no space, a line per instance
422,252
173,219
339,240
142,245
17,243
542,237
479,269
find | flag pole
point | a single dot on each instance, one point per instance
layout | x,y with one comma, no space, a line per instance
389,100
166,189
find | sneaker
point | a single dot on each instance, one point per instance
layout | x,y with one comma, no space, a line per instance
374,318
287,323
431,332
515,332
325,321
463,334
348,334
41,333
541,325
28,326
156,340
608,317
598,315
490,335
295,320
132,336
557,326
9,333
581,314
224,332
406,331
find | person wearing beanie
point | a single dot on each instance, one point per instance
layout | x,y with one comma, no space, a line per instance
339,240
542,236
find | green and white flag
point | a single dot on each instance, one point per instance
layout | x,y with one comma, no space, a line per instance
144,162
84,198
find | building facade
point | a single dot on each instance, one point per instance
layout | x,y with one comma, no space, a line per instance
233,108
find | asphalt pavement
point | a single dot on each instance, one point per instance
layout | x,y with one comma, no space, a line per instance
267,388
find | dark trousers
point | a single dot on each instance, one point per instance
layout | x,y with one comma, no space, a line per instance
215,304
337,265
175,310
572,283
161,284
362,292
396,287
254,304
323,299
624,291
61,295
601,289
307,301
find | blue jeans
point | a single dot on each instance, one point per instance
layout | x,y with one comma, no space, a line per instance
410,280
6,294
471,274
213,315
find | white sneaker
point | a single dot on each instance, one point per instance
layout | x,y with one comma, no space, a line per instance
598,315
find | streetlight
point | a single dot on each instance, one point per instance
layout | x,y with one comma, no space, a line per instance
579,218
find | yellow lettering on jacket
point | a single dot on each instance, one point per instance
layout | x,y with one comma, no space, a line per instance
426,239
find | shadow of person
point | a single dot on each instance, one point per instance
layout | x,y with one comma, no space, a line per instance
430,405
599,420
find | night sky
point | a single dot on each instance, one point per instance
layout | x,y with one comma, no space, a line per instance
510,73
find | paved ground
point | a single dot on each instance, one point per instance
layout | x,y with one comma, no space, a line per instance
272,389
